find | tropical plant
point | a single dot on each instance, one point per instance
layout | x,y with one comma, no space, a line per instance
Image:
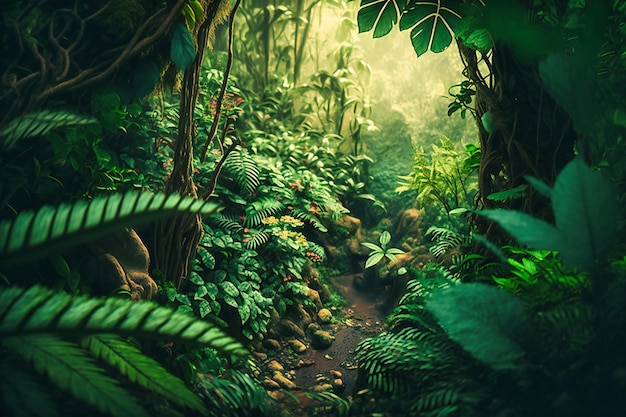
377,253
63,337
445,176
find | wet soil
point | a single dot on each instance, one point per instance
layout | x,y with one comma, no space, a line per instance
360,319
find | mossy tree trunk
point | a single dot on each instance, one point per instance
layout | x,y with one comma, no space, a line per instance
522,132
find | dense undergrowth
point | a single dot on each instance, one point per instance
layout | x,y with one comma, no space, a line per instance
521,312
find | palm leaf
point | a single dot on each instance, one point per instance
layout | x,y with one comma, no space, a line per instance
33,235
380,15
70,369
39,124
39,310
142,370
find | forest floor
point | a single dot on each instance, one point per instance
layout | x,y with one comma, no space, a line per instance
360,318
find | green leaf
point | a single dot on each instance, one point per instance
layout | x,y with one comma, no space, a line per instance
541,187
72,370
38,310
433,25
142,370
372,246
204,308
516,192
489,323
32,235
229,288
40,124
183,49
526,229
572,83
586,213
381,15
374,259
385,238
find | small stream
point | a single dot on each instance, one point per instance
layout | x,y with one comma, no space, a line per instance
362,319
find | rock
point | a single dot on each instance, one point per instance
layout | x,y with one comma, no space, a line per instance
289,328
336,374
324,315
260,356
297,345
321,339
303,318
274,365
271,344
313,327
270,384
314,296
321,387
283,381
338,385
303,363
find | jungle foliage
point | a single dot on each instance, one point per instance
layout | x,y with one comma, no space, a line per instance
227,168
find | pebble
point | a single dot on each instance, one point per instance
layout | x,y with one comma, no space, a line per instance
270,384
271,344
336,374
322,387
283,381
274,365
297,345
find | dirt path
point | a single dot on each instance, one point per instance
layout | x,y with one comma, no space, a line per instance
362,319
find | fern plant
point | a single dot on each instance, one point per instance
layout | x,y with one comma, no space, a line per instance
63,337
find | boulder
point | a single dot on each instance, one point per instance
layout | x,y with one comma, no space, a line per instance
289,328
321,339
324,316
297,345
271,344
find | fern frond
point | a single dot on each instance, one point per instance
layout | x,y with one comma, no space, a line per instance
260,209
22,393
40,123
70,369
38,310
237,396
329,399
445,240
309,218
242,166
225,221
257,239
142,370
443,401
35,234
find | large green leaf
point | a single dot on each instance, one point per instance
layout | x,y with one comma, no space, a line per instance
381,15
142,370
489,323
35,234
183,49
67,365
433,25
586,213
38,310
526,229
